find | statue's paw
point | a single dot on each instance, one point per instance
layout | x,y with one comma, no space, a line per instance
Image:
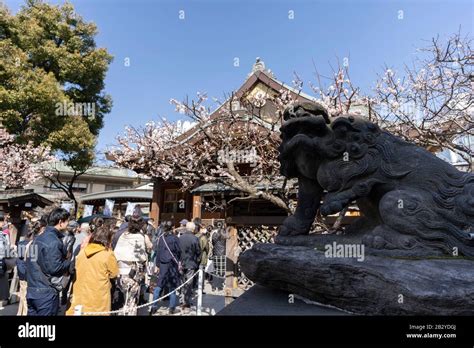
407,242
331,207
284,231
292,227
378,242
374,242
367,240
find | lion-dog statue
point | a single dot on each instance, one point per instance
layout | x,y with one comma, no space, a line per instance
409,199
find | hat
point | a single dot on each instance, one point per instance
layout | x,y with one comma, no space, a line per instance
183,222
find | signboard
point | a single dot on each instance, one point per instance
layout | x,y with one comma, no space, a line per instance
67,206
88,210
109,207
130,208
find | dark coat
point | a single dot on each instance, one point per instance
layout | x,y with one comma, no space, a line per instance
20,261
169,272
163,254
190,250
50,261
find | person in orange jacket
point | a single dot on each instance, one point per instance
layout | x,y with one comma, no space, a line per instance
95,266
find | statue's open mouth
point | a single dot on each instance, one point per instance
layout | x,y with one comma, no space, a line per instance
310,125
302,122
298,133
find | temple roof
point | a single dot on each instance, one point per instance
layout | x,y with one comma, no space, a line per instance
141,194
24,198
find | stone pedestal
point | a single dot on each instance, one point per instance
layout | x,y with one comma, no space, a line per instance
376,285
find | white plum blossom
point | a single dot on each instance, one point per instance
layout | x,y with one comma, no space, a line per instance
433,103
389,72
179,107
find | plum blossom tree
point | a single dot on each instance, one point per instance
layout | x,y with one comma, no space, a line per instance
337,93
237,149
432,103
19,162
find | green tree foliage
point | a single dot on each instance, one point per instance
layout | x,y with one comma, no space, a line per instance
49,59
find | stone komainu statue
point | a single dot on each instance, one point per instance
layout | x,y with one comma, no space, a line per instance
409,199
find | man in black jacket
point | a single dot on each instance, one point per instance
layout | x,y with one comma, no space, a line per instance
51,262
167,256
190,257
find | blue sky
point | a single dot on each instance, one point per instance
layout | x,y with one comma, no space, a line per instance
174,58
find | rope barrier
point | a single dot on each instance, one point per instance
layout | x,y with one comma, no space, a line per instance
143,305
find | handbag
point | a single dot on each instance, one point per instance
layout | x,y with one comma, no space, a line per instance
59,283
209,266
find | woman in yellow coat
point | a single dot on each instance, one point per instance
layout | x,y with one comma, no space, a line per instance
96,265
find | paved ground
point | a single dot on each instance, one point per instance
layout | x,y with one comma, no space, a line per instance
259,300
212,302
8,309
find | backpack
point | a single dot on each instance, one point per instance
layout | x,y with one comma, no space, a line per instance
116,237
131,247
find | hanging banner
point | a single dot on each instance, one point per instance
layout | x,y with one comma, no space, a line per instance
109,207
130,208
87,210
67,206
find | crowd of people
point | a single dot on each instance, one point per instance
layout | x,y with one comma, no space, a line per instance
111,265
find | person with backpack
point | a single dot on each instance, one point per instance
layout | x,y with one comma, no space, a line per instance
44,272
132,247
167,256
95,267
35,228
